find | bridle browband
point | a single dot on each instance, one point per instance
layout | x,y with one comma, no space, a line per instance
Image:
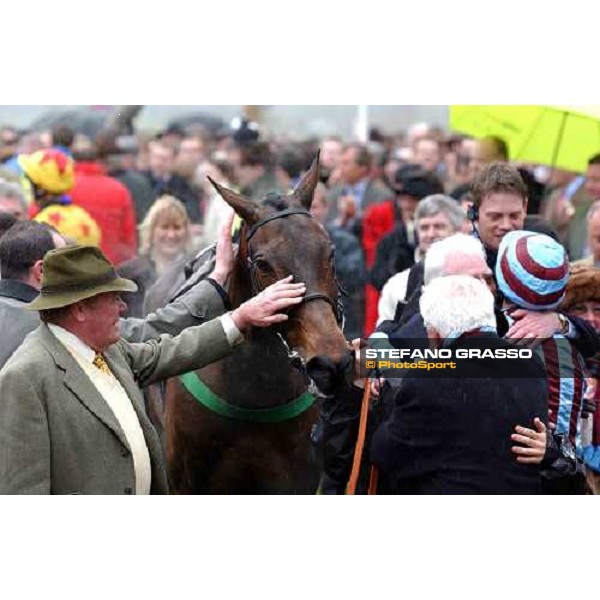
273,217
336,305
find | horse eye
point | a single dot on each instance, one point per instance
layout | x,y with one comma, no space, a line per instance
263,265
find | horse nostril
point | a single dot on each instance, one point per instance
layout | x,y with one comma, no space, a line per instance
329,376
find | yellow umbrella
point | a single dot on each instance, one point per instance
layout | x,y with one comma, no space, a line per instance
564,137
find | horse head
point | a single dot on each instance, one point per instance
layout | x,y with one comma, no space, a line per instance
279,238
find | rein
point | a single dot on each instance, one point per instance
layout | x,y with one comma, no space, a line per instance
358,449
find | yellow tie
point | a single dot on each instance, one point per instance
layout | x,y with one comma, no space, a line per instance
101,364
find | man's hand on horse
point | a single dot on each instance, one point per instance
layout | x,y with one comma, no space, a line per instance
225,256
267,307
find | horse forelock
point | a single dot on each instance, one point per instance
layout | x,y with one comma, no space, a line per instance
277,201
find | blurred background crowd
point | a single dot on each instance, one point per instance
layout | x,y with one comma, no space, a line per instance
143,195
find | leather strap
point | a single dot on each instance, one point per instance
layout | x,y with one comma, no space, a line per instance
273,217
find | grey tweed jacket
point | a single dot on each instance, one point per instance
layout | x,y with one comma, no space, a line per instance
58,435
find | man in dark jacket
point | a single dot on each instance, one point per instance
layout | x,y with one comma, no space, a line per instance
453,435
357,191
22,250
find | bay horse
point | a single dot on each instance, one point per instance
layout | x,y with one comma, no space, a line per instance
243,424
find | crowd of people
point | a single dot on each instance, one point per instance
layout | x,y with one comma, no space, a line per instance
438,238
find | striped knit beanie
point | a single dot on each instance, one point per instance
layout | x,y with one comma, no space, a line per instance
532,270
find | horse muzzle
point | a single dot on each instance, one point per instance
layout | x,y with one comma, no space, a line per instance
331,376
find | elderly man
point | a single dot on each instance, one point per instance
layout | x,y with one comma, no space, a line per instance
71,411
453,435
436,218
458,254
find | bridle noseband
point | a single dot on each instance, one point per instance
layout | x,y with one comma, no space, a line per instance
337,304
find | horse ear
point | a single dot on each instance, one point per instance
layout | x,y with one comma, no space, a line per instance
303,194
245,208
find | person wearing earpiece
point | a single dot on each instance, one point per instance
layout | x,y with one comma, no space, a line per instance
499,206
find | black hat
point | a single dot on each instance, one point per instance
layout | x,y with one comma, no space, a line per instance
460,191
412,180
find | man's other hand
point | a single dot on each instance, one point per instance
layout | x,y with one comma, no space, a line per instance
532,446
224,260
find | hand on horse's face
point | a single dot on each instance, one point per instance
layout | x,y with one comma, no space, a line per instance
224,258
265,309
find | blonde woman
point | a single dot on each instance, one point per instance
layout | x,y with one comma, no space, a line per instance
165,242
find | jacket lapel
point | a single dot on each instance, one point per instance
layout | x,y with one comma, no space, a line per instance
80,385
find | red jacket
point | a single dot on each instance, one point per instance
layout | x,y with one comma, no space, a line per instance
379,219
108,201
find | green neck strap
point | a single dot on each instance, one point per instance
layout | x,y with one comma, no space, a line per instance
199,390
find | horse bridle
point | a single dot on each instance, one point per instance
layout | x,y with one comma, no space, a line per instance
336,305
